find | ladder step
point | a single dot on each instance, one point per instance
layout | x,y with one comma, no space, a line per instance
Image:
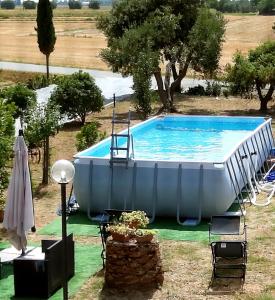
119,148
119,160
120,122
120,134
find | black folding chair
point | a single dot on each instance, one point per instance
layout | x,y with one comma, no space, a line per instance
229,259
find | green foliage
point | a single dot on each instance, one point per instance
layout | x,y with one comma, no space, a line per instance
77,95
42,122
74,4
94,4
226,93
241,75
41,81
29,4
54,4
213,89
88,135
38,82
266,7
196,91
45,30
174,32
233,6
205,40
21,96
257,70
142,83
6,142
135,219
8,4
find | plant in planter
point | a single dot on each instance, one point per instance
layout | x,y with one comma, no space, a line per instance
2,207
120,232
135,219
144,235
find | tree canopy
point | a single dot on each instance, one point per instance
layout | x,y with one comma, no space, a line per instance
77,95
6,142
22,97
45,30
255,71
175,33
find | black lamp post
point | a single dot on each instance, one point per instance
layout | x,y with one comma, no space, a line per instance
63,172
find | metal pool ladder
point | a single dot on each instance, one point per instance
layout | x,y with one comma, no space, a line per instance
120,154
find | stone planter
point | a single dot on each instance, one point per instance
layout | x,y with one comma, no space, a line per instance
133,264
120,237
144,238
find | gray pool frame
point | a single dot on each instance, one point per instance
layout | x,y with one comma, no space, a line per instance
181,189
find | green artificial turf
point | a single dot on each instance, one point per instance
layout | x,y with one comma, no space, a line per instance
87,262
168,228
79,224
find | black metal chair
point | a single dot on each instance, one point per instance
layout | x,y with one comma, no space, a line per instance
229,259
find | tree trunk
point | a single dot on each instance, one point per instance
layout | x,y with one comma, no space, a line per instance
177,88
47,67
46,159
161,91
264,99
167,84
182,74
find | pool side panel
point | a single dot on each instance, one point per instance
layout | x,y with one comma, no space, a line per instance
145,184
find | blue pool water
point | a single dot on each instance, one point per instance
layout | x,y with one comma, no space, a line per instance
186,138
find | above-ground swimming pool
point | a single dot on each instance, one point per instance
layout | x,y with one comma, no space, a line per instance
184,166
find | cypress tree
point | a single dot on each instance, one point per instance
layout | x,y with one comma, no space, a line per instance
45,30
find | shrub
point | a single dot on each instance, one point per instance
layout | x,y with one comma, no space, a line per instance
77,95
226,93
54,4
7,4
29,4
196,91
38,82
21,96
94,4
88,135
213,89
6,143
74,4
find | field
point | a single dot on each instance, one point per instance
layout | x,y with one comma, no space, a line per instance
187,265
79,42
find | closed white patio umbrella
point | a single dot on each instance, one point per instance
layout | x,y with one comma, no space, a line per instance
19,217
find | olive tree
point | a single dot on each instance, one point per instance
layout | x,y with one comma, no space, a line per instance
42,122
256,71
77,95
175,33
